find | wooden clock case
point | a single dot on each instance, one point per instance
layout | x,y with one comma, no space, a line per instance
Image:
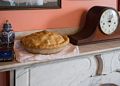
91,32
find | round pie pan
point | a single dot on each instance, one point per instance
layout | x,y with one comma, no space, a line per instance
44,51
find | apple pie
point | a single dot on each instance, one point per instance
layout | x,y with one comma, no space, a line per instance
44,42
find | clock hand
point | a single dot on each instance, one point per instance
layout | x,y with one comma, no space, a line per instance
110,18
109,21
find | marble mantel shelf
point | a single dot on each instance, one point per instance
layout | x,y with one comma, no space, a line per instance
91,49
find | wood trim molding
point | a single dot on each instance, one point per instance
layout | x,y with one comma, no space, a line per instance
4,79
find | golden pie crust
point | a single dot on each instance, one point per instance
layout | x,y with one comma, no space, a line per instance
44,41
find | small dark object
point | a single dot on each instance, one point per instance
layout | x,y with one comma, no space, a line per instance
7,37
108,84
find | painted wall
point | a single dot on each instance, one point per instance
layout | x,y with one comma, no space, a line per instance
68,16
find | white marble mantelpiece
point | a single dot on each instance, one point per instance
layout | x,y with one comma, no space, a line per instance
95,64
91,49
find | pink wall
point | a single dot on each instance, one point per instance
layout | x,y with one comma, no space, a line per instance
68,16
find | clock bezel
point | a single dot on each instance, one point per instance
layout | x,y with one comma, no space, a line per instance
107,8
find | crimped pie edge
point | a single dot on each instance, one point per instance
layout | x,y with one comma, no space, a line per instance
64,43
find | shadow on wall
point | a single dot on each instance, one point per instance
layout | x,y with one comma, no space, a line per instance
76,17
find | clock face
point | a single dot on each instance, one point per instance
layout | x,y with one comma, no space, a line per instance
109,21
